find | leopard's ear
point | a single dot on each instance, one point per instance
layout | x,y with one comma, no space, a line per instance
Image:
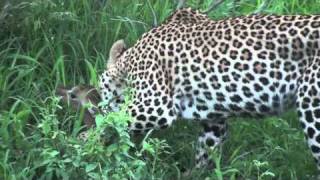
116,51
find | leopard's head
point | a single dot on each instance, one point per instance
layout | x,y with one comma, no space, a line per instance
112,83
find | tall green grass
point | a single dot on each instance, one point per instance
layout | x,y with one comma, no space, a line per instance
44,43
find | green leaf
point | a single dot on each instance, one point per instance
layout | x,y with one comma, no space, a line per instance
53,153
94,175
23,114
148,147
99,121
111,149
68,160
90,167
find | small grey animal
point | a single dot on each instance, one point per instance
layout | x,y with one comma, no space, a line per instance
79,97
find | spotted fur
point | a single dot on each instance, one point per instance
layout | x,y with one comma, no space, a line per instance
192,67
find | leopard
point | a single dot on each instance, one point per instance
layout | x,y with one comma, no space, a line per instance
192,67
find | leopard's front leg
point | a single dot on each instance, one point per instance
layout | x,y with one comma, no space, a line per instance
213,135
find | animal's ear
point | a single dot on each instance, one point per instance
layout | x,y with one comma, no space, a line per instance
62,91
116,50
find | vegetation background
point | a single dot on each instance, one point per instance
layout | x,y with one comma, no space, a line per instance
44,43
